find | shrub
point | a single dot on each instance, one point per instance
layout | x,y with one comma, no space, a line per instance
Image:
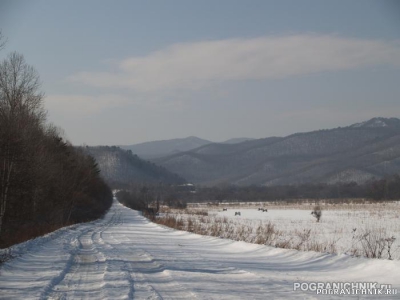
317,212
375,244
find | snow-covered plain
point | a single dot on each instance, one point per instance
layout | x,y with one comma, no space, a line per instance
124,256
359,229
340,229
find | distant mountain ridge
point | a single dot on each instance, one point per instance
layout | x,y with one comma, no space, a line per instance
155,149
358,152
237,140
121,166
378,123
165,147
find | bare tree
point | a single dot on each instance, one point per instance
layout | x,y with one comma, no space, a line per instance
44,180
3,41
21,112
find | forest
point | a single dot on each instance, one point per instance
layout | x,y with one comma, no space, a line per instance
45,182
142,196
387,188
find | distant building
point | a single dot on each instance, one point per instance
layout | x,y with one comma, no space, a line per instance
187,187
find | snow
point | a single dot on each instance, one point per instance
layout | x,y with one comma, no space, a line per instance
373,123
339,231
125,256
272,214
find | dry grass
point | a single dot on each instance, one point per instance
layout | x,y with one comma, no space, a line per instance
265,234
305,204
171,221
373,243
376,243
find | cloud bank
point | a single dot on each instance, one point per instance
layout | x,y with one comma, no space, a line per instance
82,105
196,65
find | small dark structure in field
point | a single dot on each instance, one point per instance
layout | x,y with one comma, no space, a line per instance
237,213
317,212
224,209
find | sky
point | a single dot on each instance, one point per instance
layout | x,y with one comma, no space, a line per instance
126,72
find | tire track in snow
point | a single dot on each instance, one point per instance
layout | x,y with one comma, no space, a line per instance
180,261
155,278
184,261
124,256
149,278
86,262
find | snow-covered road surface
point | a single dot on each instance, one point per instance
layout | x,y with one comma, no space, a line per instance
124,256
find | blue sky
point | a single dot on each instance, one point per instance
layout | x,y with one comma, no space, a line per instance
124,72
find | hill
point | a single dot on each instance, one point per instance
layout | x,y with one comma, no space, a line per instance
237,140
165,147
121,166
357,153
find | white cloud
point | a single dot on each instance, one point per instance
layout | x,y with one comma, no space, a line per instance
201,64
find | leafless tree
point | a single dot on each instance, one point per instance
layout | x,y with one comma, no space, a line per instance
3,41
317,212
21,113
45,182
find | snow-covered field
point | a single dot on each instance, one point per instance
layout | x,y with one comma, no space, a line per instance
124,256
339,231
368,230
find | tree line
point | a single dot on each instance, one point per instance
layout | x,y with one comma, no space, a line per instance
45,182
140,197
387,188
148,197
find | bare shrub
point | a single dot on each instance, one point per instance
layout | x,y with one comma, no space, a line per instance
284,243
171,221
165,209
375,244
389,245
5,255
304,237
317,212
267,234
315,246
190,224
202,212
270,232
180,224
204,220
330,247
216,229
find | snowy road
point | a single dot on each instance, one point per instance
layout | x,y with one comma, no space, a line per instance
124,256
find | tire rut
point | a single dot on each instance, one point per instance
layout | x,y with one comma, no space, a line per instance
87,264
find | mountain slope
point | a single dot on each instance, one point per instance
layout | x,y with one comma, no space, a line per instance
378,123
118,165
237,140
354,153
165,147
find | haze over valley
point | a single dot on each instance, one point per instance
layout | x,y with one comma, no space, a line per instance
207,149
356,153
